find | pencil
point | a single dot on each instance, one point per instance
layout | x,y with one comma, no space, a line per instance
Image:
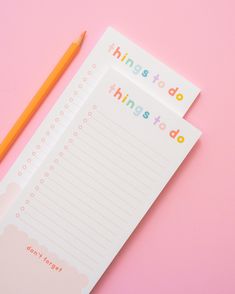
40,96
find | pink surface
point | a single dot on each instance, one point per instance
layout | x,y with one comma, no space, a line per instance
186,243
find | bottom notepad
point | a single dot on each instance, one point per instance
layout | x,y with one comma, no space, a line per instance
92,190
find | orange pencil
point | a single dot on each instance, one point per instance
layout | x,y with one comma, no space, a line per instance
40,96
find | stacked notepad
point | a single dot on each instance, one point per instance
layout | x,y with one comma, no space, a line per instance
93,169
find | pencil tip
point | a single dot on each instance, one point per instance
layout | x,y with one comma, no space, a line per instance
81,38
83,35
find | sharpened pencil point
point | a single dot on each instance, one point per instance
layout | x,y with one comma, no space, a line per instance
80,39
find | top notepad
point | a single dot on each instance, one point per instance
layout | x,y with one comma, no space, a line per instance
155,77
91,190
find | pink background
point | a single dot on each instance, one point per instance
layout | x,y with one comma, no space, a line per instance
186,243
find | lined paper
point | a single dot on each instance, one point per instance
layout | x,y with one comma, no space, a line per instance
102,176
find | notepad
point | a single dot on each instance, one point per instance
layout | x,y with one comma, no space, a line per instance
92,189
113,49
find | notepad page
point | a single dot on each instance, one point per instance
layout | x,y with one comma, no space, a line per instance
94,187
113,49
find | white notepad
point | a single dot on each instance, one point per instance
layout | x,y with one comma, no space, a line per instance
91,190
